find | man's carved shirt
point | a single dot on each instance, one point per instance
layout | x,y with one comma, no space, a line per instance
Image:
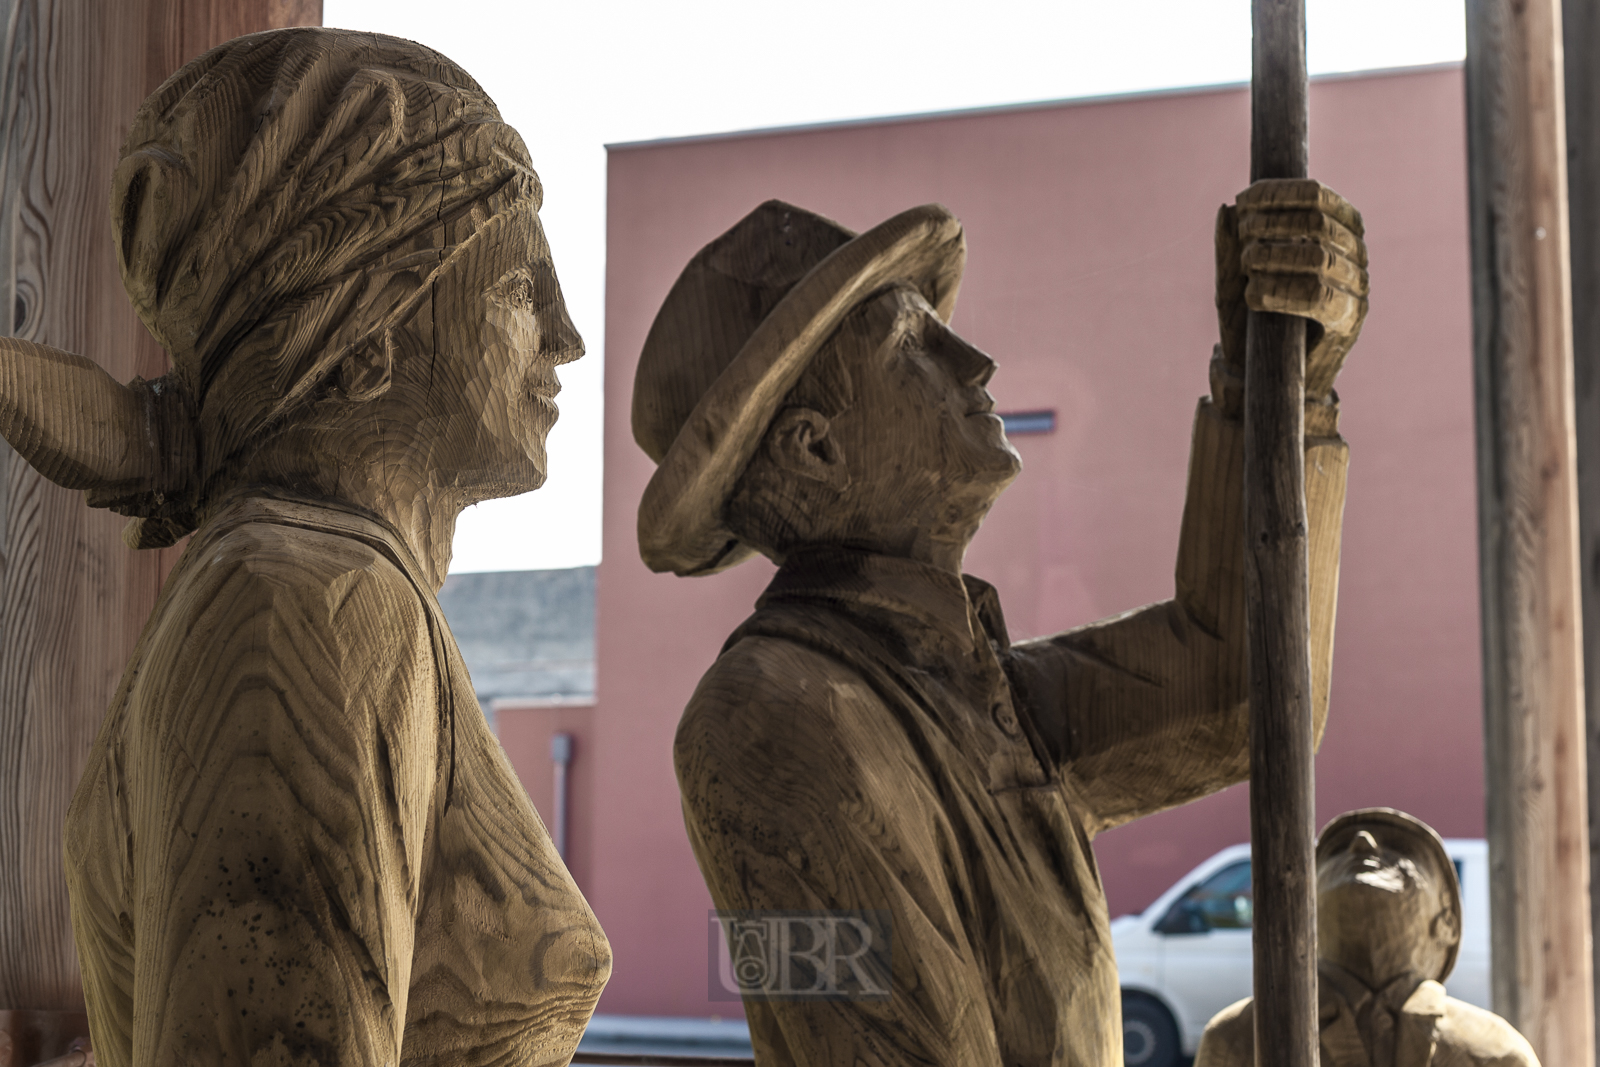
871,740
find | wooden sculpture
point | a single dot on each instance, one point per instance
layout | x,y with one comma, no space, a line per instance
1388,928
870,740
296,841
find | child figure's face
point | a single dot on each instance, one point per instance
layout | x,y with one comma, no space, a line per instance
1381,915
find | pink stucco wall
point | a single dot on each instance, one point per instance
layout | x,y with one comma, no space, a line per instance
1089,280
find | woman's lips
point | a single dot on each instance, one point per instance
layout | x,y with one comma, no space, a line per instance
539,393
543,385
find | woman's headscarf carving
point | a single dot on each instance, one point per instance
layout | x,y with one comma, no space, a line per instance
277,203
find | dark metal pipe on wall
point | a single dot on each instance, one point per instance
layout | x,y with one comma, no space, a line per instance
561,753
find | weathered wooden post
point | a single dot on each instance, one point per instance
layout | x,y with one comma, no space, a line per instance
1528,527
1580,21
72,597
1278,598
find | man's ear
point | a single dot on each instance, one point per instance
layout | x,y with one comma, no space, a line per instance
367,370
799,442
1446,926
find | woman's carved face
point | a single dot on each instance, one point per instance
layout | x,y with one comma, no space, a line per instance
499,328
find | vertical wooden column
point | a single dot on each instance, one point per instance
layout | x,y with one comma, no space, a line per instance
1580,21
179,30
1528,527
72,597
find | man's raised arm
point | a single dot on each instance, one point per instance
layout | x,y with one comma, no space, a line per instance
1148,709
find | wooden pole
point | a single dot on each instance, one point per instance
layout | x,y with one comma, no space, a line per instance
1580,21
1528,527
1278,598
72,597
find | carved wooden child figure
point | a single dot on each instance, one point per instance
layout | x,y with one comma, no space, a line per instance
870,740
1388,928
296,841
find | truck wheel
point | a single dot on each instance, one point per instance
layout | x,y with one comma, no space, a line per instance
1149,1036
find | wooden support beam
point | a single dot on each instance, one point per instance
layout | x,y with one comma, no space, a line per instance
1580,22
72,597
1528,527
1277,593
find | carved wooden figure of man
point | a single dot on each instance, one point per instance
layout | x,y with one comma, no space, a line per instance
1388,929
296,841
870,740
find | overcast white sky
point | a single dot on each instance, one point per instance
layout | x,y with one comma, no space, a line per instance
575,75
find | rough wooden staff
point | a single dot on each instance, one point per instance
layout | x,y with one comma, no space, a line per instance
1277,597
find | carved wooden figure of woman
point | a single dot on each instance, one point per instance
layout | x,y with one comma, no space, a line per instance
296,841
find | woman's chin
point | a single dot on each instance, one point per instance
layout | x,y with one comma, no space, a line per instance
525,470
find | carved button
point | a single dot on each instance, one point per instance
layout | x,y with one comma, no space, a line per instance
1006,719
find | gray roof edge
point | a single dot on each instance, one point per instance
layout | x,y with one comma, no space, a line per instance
1029,105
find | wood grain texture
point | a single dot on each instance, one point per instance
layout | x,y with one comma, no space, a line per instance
1430,1029
1389,929
295,840
1528,528
353,873
1282,738
179,30
1277,593
1580,22
870,739
851,751
72,596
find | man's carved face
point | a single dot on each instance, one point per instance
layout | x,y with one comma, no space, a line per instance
1381,914
922,439
502,329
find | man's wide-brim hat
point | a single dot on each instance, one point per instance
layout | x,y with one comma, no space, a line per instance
1409,837
738,329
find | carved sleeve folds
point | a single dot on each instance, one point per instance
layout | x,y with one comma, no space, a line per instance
1147,710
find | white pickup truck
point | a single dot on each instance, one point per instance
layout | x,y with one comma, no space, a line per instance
1187,956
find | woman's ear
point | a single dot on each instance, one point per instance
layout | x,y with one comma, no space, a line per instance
798,442
367,371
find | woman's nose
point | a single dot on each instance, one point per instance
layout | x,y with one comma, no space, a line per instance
559,340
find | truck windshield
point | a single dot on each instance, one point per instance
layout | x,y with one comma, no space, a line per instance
1221,902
